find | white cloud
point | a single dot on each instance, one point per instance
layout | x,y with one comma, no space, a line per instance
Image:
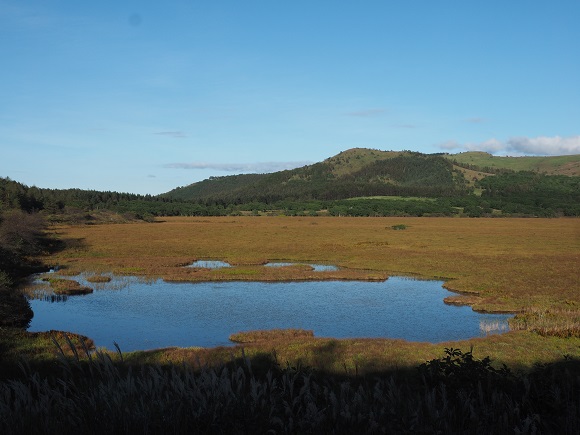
489,146
545,145
542,146
257,167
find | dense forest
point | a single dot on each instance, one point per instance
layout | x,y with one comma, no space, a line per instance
404,175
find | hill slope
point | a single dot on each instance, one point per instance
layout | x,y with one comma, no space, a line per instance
365,172
550,165
352,173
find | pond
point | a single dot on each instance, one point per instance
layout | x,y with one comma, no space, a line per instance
209,264
315,267
218,264
145,315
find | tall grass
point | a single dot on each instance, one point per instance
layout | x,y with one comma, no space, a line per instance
100,393
558,322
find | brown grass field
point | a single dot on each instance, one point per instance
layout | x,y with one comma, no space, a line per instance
525,266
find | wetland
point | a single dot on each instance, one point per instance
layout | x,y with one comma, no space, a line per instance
526,268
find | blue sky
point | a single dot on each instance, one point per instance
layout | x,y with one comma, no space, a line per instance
145,96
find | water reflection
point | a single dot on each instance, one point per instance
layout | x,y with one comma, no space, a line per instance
315,267
209,264
52,298
490,325
146,315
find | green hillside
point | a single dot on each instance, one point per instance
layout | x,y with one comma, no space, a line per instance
353,173
214,186
365,172
550,165
355,159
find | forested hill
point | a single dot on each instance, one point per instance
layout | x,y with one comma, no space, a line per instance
352,173
356,182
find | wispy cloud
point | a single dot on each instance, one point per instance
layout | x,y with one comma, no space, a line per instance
175,134
257,167
367,113
26,16
542,145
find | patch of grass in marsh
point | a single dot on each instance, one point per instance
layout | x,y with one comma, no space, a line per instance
67,271
98,278
234,272
61,286
558,322
270,335
130,270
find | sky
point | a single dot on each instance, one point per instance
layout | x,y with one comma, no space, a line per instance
145,96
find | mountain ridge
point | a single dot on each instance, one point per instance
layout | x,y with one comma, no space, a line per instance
372,172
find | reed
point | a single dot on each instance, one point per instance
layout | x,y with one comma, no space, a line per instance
558,322
98,393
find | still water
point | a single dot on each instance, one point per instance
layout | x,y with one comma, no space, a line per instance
146,315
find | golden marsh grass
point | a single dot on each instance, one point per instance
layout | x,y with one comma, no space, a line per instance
510,264
62,286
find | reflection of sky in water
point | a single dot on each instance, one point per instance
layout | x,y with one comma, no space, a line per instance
140,315
316,267
209,264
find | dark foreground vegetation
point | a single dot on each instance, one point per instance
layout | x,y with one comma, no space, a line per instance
99,393
21,239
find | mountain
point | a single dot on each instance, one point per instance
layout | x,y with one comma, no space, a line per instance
352,173
356,182
361,172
